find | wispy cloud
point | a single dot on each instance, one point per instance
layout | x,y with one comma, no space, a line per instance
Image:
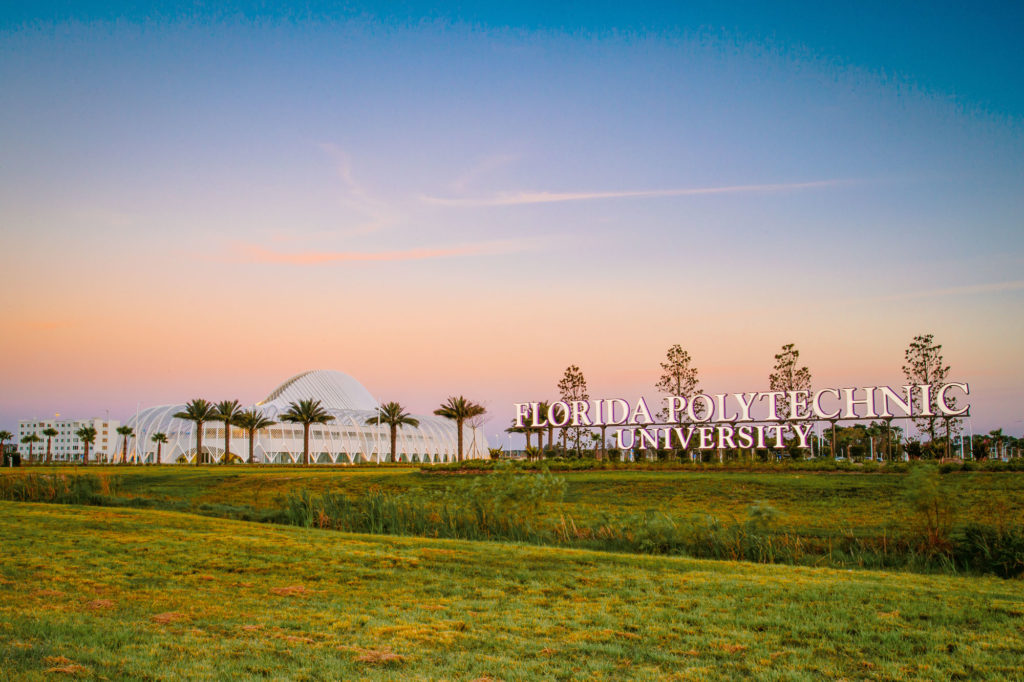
258,254
519,198
482,168
355,197
988,288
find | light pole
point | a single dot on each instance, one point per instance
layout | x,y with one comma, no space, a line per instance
970,426
377,432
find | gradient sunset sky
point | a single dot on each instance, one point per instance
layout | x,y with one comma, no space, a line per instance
203,202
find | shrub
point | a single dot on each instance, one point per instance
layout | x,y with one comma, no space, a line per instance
991,550
933,514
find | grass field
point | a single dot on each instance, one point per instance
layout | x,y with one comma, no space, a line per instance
821,519
107,593
866,503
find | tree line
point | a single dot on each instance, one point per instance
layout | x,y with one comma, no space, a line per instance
923,364
229,412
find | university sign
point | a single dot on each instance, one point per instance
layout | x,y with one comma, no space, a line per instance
744,420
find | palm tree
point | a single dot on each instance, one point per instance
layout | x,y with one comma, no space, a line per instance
87,434
199,411
306,412
996,437
126,432
227,412
159,438
31,439
543,409
394,415
4,437
459,410
50,434
252,421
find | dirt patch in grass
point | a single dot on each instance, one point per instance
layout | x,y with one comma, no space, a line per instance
100,604
47,593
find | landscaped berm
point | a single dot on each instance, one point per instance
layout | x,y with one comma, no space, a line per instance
111,592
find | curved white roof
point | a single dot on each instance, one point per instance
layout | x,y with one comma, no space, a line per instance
334,390
345,439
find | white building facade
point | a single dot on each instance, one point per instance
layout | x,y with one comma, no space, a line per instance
347,439
66,446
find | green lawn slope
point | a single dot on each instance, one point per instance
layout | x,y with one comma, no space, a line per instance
806,502
101,593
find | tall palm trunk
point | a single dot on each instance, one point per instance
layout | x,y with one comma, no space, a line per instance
158,445
305,445
85,458
394,442
227,442
48,450
199,442
459,425
252,437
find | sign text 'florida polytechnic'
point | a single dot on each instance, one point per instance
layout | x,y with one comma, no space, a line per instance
743,420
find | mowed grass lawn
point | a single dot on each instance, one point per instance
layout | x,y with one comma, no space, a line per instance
139,594
828,503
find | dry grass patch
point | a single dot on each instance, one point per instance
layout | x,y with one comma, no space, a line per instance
100,604
62,665
298,639
383,656
290,591
430,551
732,648
168,617
441,632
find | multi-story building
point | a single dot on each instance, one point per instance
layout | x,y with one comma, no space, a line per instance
66,446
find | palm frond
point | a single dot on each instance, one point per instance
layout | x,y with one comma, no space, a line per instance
306,412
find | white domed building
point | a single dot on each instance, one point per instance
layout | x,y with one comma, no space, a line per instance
347,439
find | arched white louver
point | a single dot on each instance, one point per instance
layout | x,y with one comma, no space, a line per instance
344,440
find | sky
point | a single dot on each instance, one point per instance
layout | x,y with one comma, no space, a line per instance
203,199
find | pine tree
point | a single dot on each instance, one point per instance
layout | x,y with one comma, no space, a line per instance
925,365
573,386
788,376
679,379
